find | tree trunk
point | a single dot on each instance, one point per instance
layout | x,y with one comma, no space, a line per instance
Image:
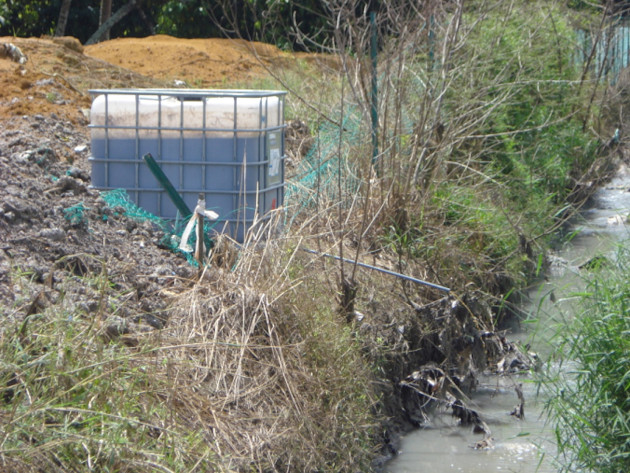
115,18
105,14
63,18
148,24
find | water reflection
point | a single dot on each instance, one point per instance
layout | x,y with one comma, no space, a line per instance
517,446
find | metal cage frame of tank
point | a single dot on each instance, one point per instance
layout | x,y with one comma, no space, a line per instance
240,169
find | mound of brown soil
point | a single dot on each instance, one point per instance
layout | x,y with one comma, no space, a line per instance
56,77
58,72
201,63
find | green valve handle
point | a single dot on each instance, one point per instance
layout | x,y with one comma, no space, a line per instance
168,187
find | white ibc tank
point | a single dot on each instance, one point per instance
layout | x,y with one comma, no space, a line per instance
227,144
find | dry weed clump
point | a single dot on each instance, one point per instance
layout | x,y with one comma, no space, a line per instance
259,376
229,369
249,372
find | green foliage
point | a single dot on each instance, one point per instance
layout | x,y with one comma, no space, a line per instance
590,400
337,378
72,398
532,139
495,140
617,6
484,228
31,18
39,17
263,20
185,20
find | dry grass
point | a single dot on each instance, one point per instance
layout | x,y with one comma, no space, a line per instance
250,366
250,372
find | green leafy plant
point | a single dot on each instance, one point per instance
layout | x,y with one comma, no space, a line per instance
590,399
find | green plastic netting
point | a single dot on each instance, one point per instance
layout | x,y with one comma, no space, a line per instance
317,178
118,198
76,214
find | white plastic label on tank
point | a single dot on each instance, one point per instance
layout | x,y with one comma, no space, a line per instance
274,151
274,162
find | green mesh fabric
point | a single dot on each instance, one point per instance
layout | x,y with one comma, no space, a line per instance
317,176
118,198
76,214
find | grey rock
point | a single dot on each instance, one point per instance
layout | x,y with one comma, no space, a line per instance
53,234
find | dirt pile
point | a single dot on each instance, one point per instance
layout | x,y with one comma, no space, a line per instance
200,63
55,79
58,72
61,234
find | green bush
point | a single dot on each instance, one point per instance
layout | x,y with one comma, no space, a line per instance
590,399
527,88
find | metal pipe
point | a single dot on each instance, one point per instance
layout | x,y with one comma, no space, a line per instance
382,270
374,90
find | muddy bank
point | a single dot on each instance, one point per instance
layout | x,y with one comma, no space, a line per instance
444,348
63,247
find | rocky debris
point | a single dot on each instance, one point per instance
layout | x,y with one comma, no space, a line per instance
62,245
14,53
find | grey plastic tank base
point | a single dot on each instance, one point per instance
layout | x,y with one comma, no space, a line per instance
226,144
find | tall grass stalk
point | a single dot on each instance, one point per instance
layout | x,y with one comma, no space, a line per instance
590,397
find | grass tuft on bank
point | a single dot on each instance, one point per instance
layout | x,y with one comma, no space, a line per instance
590,397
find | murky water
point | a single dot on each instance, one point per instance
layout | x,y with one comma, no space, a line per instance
522,446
